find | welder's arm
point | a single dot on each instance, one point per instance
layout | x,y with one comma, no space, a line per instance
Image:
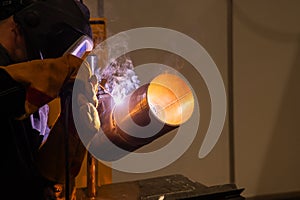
43,81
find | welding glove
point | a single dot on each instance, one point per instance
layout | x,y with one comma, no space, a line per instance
86,100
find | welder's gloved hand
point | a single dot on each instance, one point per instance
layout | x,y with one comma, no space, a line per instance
85,90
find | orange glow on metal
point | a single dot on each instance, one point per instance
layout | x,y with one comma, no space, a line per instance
170,99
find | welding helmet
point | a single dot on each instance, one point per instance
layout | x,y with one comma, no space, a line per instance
54,27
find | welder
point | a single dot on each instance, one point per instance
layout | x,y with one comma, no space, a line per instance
39,59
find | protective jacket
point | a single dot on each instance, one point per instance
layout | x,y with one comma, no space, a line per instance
19,141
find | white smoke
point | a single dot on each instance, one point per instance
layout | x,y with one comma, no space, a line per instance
120,78
117,76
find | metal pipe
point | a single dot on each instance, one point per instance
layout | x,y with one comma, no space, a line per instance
151,111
